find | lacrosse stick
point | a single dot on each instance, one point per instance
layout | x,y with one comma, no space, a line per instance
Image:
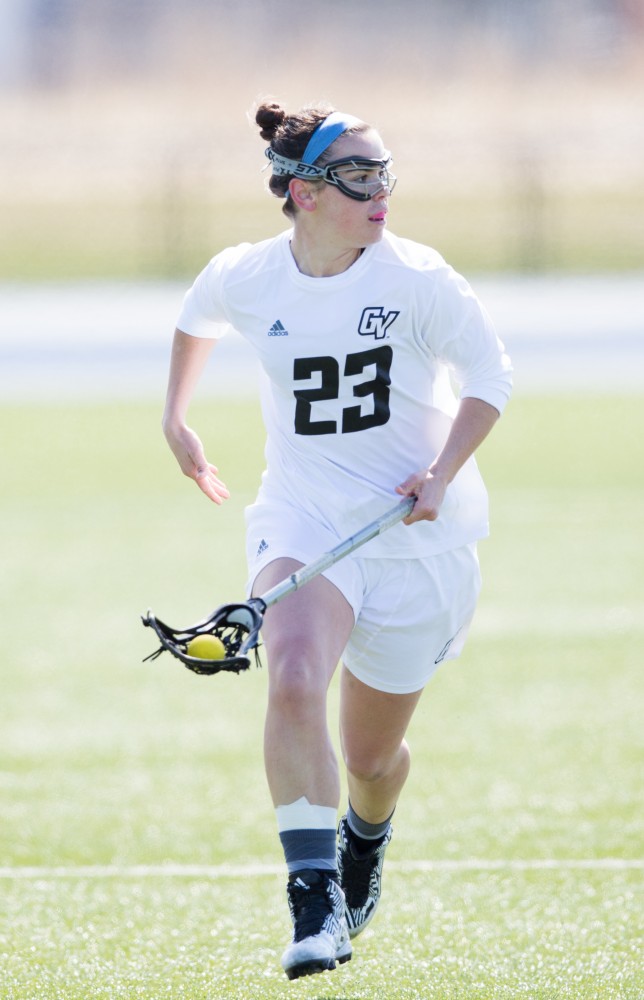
238,625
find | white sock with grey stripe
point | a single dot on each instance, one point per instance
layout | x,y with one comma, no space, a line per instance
307,833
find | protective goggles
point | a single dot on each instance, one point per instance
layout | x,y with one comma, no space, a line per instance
355,176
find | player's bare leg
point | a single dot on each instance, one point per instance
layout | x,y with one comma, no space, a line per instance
304,637
372,728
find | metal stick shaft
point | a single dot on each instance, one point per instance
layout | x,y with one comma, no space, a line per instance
313,569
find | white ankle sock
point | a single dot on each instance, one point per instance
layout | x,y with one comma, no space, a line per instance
307,834
302,815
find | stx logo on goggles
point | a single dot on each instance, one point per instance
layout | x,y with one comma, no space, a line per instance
375,322
306,170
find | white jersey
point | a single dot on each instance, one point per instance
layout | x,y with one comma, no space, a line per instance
359,372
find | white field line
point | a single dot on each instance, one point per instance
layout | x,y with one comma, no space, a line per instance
259,870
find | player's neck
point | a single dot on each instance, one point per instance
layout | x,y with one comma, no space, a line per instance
316,262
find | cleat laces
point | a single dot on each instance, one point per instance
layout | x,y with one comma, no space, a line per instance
310,908
359,875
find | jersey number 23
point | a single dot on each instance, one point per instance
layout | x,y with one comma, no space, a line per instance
373,411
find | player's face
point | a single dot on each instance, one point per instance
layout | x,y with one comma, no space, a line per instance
358,222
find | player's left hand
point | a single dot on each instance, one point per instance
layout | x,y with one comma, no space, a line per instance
429,490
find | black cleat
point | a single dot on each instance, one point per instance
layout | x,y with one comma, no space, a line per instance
360,878
320,934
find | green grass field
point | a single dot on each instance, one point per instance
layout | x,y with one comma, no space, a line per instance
138,854
478,231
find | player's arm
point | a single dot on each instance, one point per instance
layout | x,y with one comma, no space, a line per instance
188,359
472,424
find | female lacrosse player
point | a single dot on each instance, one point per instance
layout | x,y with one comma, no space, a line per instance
361,336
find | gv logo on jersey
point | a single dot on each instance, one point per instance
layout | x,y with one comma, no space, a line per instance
375,322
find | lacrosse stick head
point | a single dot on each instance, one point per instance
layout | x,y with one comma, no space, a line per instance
236,625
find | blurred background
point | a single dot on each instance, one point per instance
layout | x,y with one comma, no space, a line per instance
517,128
129,158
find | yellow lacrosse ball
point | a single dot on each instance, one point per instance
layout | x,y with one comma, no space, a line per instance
206,647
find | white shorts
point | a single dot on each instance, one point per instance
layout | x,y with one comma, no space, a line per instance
410,614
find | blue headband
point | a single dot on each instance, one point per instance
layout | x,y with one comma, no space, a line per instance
326,133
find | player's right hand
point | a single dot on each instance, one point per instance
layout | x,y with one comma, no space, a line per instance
189,453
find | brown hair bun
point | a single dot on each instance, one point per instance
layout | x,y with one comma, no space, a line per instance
269,117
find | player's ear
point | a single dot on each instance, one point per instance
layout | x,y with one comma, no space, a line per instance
303,194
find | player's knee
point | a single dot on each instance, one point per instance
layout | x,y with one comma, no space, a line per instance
366,771
371,764
296,684
367,768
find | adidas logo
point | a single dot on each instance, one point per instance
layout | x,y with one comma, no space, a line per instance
277,330
263,545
